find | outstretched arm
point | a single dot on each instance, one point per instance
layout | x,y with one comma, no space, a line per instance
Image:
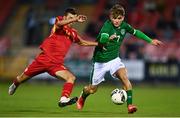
143,36
83,42
79,18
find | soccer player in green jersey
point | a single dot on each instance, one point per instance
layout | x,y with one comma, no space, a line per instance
106,57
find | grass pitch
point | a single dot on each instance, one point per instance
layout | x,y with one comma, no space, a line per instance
40,99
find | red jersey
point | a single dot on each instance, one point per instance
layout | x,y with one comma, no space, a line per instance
58,43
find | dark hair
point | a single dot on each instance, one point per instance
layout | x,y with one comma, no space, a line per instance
117,10
71,11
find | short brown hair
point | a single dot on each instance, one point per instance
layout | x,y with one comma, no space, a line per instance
117,10
71,11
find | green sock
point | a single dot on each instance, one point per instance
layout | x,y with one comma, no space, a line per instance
129,97
84,94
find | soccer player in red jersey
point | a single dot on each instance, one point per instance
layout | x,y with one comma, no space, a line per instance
51,59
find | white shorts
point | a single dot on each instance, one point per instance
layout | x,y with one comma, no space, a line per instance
100,69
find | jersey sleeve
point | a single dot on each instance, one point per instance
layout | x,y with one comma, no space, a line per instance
71,33
58,18
129,28
74,36
138,33
53,30
104,30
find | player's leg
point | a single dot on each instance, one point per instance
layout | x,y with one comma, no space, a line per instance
16,82
119,71
33,69
67,88
122,75
87,90
97,76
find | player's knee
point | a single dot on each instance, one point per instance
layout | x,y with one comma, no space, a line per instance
71,79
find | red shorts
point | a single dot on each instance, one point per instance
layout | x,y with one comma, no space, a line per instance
43,64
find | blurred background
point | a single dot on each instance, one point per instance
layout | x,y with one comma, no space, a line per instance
24,24
154,71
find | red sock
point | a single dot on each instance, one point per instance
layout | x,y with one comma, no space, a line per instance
67,89
15,81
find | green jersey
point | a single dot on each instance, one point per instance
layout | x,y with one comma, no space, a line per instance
112,47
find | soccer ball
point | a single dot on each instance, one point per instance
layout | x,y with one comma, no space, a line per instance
118,96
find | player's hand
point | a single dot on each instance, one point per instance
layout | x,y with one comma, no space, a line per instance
113,36
81,18
157,42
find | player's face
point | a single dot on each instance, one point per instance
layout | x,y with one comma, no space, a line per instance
117,21
70,16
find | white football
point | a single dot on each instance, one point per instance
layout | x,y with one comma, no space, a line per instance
118,96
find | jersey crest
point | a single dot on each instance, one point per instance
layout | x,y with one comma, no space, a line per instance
122,31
